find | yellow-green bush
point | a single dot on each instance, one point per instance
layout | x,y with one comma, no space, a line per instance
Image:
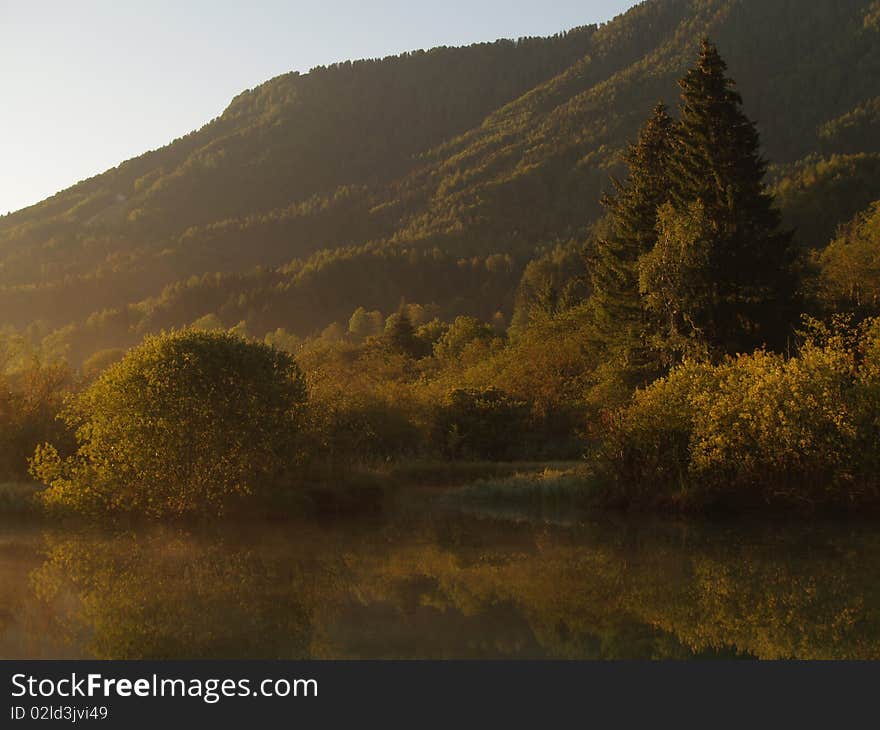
184,423
758,428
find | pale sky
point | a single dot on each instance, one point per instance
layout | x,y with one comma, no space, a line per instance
88,84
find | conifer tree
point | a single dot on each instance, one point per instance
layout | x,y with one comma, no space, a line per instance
618,311
401,334
741,295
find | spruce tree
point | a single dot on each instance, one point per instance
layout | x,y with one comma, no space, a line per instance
401,335
742,297
631,223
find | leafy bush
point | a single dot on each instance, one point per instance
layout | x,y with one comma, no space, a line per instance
182,424
756,428
29,403
461,333
481,423
360,430
850,265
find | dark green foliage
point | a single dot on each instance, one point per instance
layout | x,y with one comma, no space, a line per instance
819,194
620,314
551,283
482,424
856,131
401,335
733,283
362,431
29,403
693,261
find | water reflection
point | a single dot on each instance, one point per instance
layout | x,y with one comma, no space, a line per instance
442,585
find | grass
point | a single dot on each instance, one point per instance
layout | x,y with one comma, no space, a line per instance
571,485
460,473
360,489
363,489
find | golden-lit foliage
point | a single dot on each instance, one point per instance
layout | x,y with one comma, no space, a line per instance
370,400
756,429
30,398
390,269
184,423
851,263
361,402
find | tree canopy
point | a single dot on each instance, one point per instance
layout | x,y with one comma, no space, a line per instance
183,423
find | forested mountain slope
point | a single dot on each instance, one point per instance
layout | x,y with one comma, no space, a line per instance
432,177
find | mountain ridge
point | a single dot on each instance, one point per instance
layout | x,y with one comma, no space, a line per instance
491,177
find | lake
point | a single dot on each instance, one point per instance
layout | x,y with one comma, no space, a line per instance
419,582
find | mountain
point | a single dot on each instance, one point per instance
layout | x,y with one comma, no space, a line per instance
433,177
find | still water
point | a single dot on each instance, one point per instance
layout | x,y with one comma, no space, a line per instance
442,584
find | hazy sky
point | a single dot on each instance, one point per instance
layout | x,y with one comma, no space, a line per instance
88,84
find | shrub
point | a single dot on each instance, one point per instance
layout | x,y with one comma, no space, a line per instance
185,422
645,451
850,265
361,429
756,428
481,423
29,404
461,333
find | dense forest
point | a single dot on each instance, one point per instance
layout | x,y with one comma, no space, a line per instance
364,183
484,252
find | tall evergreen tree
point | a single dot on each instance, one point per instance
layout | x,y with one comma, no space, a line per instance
740,288
618,311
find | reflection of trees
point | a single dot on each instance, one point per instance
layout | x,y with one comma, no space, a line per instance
464,587
806,598
655,592
562,601
25,623
171,596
